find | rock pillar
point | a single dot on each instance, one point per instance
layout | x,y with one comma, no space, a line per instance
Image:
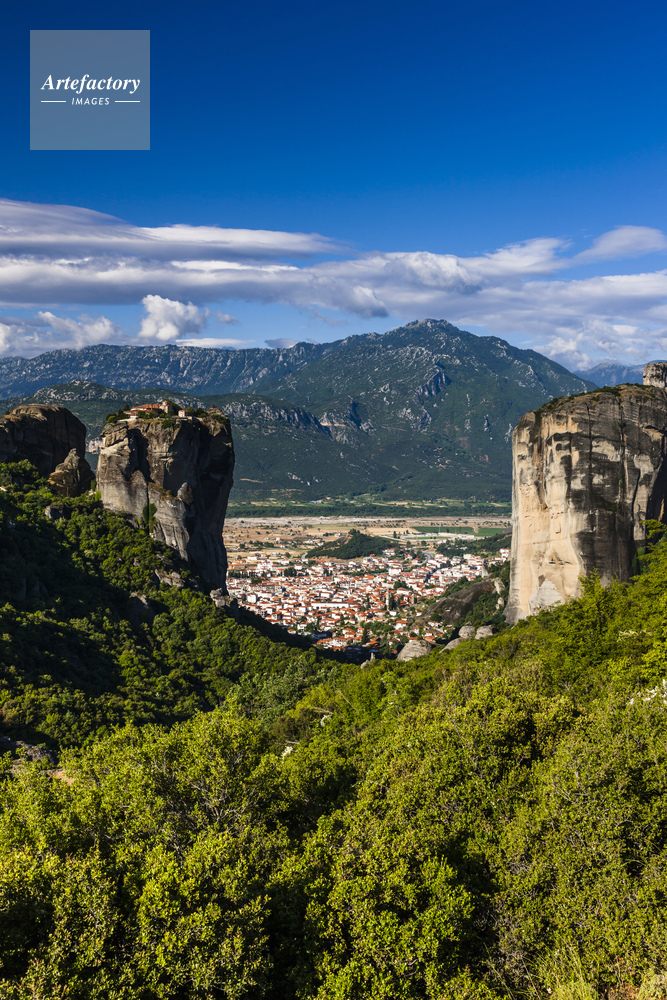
588,470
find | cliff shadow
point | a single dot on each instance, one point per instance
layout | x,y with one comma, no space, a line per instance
656,509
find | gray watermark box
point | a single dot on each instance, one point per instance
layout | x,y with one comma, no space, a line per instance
90,89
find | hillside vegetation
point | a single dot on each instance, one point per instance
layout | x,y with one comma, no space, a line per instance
232,819
92,639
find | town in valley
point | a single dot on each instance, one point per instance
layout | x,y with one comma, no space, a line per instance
346,603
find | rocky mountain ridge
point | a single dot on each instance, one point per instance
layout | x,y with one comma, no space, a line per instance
420,345
421,412
611,372
246,407
169,366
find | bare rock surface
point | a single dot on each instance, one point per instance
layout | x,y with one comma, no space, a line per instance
53,513
28,751
485,631
220,598
42,434
655,373
588,471
176,478
171,578
73,477
414,648
467,632
140,609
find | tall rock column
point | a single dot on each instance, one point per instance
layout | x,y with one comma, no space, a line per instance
588,471
174,474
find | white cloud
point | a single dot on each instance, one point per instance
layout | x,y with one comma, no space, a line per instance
48,332
225,318
167,320
81,332
7,339
624,242
54,256
225,343
278,342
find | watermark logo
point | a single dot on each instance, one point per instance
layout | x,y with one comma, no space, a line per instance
90,89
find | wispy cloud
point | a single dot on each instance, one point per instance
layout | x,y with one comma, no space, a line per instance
60,230
58,256
624,242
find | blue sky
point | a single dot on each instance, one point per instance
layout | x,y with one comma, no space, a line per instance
419,140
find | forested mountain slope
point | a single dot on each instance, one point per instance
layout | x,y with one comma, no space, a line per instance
421,412
91,637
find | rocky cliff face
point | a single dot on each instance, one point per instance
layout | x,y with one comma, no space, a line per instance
588,471
73,477
176,478
44,435
655,373
257,409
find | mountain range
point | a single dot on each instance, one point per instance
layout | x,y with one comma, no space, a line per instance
424,411
611,372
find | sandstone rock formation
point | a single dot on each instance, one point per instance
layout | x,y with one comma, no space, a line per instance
485,631
471,632
44,435
173,475
655,373
54,513
588,471
140,609
414,648
73,477
467,632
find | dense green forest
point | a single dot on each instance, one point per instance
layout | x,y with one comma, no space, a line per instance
355,546
92,639
231,818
